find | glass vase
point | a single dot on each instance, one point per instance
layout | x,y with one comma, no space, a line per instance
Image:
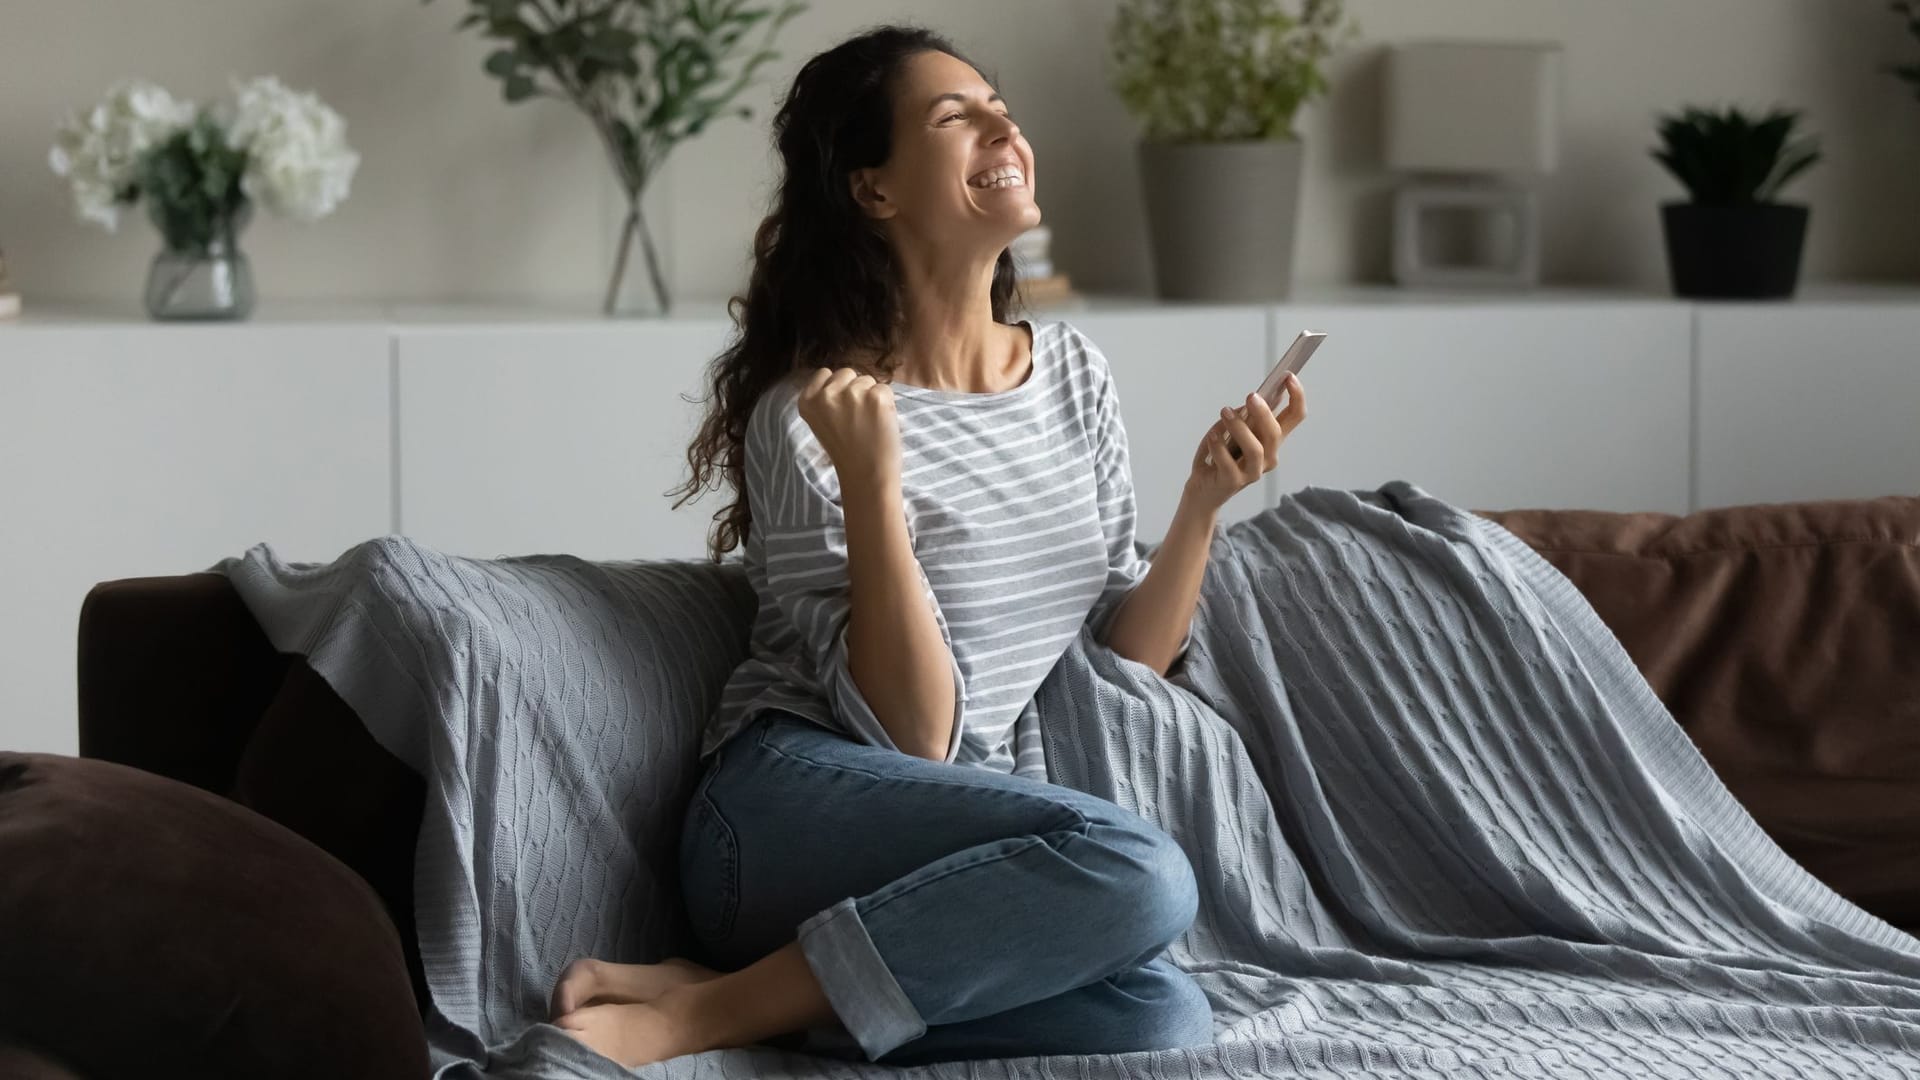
638,287
203,276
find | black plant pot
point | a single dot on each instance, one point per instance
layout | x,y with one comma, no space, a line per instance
1734,252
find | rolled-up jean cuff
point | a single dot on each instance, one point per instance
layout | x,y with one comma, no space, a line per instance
868,999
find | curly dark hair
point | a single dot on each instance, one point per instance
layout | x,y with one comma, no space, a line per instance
824,290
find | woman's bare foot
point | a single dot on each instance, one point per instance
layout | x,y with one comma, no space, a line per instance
587,982
706,1011
633,1033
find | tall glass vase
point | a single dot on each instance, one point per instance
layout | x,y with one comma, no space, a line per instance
200,272
638,288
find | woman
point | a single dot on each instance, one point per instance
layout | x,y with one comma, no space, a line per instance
873,862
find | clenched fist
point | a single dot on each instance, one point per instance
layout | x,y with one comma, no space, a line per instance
852,416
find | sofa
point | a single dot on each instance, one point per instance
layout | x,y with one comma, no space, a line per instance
225,868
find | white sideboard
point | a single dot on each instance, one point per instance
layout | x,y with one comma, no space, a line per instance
1809,401
1499,404
131,452
134,448
521,436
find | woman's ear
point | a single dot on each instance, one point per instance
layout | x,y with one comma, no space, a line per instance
864,185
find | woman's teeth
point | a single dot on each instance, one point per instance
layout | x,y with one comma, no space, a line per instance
999,178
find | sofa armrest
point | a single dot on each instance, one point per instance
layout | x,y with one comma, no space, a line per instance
173,676
177,679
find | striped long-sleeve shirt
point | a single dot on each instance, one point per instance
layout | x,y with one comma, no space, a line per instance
1020,506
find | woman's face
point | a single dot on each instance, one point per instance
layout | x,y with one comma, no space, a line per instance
960,171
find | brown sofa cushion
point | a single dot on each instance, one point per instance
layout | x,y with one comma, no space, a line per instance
1785,638
155,929
20,1063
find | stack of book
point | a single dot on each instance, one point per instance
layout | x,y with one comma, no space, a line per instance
1033,266
9,300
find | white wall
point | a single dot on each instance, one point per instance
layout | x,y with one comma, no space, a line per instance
462,195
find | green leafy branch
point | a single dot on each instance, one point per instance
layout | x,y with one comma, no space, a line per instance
648,75
192,185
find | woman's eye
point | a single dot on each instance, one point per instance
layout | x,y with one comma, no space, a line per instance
949,116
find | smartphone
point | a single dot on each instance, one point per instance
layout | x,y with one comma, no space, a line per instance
1293,360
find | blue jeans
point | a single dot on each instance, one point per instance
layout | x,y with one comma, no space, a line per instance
948,911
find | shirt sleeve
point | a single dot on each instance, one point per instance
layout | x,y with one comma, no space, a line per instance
1127,559
794,495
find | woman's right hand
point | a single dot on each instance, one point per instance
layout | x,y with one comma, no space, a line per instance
852,415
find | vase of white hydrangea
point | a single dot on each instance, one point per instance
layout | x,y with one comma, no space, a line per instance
201,170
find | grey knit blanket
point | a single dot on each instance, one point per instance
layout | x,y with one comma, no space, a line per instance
1441,824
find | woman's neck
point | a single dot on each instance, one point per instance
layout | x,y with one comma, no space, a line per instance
949,339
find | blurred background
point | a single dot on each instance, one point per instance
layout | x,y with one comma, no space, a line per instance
460,195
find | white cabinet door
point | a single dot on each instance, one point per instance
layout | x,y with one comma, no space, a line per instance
1174,366
1497,405
138,450
553,437
1808,401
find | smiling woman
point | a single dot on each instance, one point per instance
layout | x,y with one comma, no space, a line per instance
877,137
955,191
972,132
936,502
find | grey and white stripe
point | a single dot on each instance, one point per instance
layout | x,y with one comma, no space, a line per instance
1021,508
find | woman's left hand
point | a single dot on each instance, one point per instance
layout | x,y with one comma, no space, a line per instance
1258,431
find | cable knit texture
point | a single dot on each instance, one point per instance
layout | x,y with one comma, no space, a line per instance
1441,824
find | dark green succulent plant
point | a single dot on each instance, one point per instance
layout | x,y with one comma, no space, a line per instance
1729,159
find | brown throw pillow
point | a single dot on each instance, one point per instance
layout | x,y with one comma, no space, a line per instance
155,929
19,1063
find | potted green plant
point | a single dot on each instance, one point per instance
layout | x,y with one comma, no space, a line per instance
1215,86
1733,239
648,74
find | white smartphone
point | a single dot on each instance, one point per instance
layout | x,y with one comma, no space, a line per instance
1293,360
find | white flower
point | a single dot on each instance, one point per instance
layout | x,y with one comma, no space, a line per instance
98,153
298,161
